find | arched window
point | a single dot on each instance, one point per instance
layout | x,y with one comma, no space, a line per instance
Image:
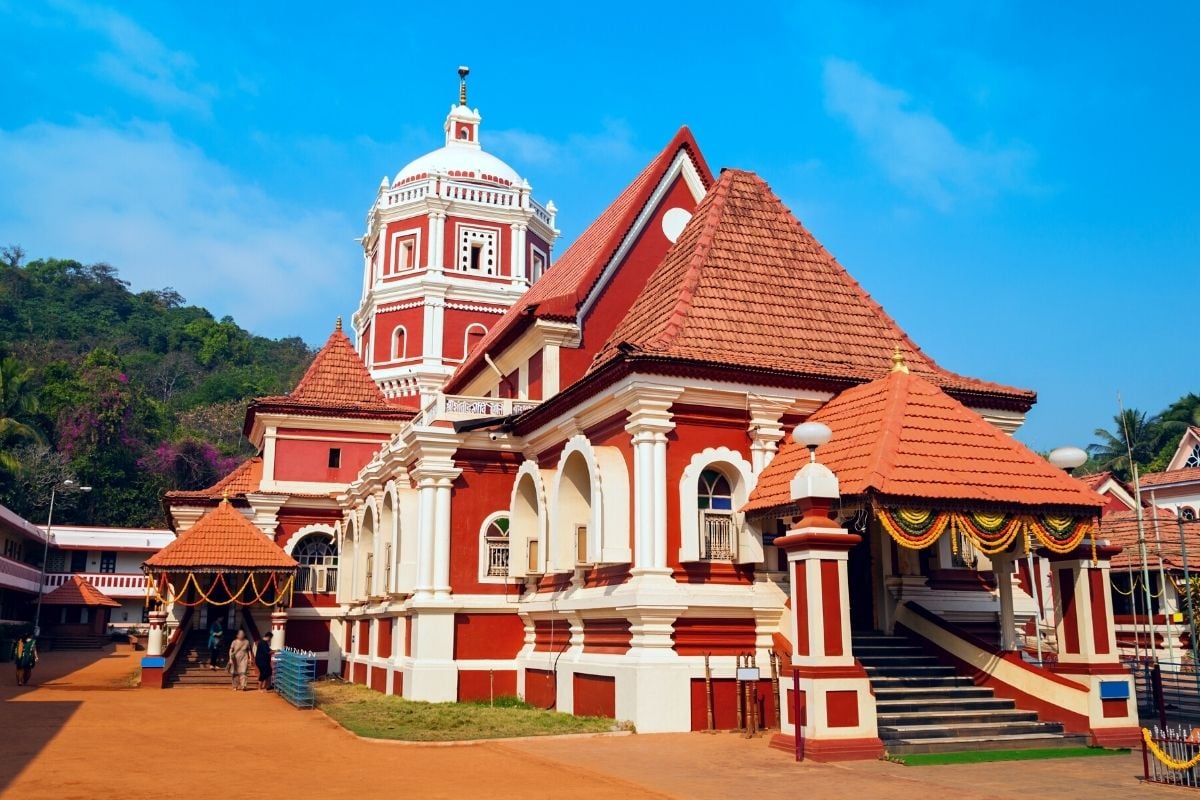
399,343
714,501
1187,514
474,335
495,550
318,558
1193,459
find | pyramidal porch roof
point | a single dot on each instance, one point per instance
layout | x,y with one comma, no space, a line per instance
904,440
78,591
746,285
221,540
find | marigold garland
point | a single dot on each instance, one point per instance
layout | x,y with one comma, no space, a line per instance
162,591
1164,759
990,533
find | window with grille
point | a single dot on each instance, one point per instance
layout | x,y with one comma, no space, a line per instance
718,534
477,250
495,542
317,556
108,561
1193,459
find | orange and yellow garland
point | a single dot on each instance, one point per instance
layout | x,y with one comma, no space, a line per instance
161,590
990,533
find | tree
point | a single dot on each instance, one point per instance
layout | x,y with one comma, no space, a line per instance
1133,434
18,411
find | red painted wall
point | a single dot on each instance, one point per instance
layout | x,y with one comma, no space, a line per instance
421,257
616,298
364,637
595,695
454,329
725,704
607,636
540,689
482,684
379,679
488,636
483,488
720,637
398,683
307,634
308,459
413,320
534,376
383,648
551,636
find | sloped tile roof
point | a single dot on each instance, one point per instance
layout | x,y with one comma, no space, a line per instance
747,284
78,592
221,539
337,379
1096,479
245,477
902,438
1172,476
1120,528
561,291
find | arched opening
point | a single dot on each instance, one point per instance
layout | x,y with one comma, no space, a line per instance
366,551
573,507
1187,513
399,343
494,546
526,549
348,551
387,537
714,503
318,558
474,335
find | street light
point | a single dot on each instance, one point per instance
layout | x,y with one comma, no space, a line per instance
66,487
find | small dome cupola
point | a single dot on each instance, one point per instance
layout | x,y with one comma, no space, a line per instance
462,124
461,157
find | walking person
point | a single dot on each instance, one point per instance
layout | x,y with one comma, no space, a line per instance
262,660
25,655
239,660
216,636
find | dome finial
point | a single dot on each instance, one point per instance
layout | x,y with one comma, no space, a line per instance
337,326
463,72
898,363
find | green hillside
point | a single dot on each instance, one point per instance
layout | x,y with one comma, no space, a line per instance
132,393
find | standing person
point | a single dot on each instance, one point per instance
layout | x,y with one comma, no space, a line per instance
239,660
262,660
216,636
25,655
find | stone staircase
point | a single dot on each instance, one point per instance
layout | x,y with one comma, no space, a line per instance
191,668
924,707
79,641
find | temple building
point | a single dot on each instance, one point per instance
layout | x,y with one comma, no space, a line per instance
691,442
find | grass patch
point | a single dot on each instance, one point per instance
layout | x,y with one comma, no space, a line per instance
377,716
983,756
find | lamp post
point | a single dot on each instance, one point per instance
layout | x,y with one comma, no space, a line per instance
66,487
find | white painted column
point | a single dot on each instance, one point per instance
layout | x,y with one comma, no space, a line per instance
658,502
1002,565
154,641
426,503
643,521
437,240
278,629
441,540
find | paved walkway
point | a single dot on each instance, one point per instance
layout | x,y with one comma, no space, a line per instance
82,733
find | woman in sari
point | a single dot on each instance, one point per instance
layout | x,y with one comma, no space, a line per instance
239,660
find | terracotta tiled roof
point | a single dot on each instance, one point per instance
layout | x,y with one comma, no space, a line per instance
78,592
337,379
1172,476
747,284
562,290
245,477
222,539
1120,528
902,438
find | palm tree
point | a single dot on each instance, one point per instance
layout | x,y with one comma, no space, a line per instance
1134,433
18,411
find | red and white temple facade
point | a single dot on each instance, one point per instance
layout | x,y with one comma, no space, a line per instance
572,479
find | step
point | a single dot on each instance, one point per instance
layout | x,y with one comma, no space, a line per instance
869,650
909,692
907,703
959,744
901,660
948,718
975,729
886,682
910,671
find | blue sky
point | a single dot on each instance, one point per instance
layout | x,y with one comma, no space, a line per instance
1014,182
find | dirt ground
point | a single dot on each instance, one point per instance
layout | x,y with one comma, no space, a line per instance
82,733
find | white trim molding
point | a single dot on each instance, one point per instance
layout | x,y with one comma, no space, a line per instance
740,474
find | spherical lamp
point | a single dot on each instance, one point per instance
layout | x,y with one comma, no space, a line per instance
1068,458
812,435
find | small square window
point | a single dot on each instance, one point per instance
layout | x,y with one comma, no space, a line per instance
335,457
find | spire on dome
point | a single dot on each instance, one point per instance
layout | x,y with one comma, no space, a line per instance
463,72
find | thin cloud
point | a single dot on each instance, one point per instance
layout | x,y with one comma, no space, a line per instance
165,214
918,152
612,144
139,62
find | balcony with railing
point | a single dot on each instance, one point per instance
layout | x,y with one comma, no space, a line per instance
468,193
463,407
718,537
110,584
497,556
16,575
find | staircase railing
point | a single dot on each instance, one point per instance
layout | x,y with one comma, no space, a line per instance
175,643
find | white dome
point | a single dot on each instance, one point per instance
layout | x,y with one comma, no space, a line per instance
461,158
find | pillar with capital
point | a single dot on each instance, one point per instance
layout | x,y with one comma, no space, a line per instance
279,619
1087,644
828,700
648,424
